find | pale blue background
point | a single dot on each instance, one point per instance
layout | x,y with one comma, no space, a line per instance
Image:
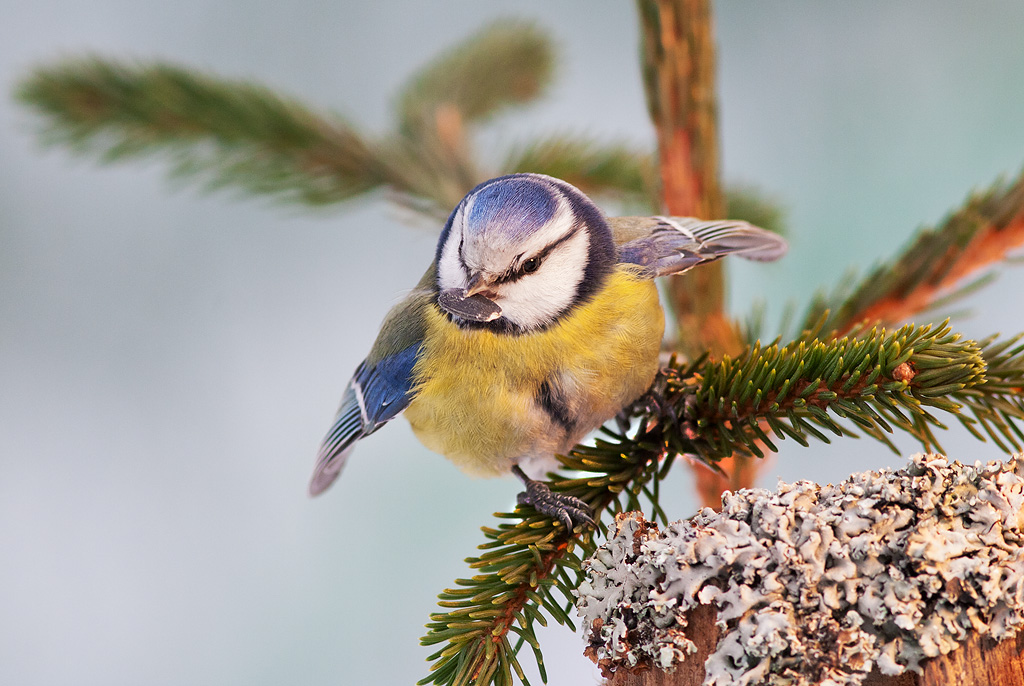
169,361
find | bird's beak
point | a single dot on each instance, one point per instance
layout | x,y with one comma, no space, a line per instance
479,285
474,303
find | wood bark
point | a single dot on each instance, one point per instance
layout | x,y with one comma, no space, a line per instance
679,76
978,662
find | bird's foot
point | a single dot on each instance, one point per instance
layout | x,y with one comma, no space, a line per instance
657,408
569,510
651,405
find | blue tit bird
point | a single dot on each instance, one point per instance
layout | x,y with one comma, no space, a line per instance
537,322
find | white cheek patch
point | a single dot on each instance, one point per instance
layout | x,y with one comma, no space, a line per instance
536,299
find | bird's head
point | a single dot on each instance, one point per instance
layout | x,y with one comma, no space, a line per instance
521,250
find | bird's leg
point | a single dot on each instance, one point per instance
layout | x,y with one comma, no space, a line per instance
569,510
622,422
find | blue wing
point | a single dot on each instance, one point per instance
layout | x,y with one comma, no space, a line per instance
375,395
676,244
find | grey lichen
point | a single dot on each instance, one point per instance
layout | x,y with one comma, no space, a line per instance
818,584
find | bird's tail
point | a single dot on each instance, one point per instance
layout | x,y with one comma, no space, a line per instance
338,443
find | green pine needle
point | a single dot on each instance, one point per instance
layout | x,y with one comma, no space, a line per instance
807,390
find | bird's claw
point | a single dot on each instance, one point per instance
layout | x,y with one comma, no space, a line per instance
569,510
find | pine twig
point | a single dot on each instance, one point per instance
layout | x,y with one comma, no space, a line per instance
933,265
525,566
238,134
871,384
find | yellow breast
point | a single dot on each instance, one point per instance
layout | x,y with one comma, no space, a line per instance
476,391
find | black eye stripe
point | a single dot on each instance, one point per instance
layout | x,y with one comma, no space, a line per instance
516,274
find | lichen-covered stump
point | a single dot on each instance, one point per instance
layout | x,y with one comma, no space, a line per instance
909,577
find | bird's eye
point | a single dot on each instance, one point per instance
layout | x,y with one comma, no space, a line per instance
531,265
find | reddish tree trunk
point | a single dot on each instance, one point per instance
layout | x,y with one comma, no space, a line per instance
679,75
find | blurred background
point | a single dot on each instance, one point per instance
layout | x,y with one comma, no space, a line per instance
170,360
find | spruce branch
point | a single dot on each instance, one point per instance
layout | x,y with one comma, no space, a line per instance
529,570
508,63
874,384
227,132
931,270
596,168
237,134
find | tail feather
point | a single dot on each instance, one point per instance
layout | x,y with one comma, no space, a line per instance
338,443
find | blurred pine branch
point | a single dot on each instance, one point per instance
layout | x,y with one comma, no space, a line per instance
615,170
235,134
227,132
507,63
938,267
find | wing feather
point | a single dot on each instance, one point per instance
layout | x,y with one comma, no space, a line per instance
375,395
675,244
